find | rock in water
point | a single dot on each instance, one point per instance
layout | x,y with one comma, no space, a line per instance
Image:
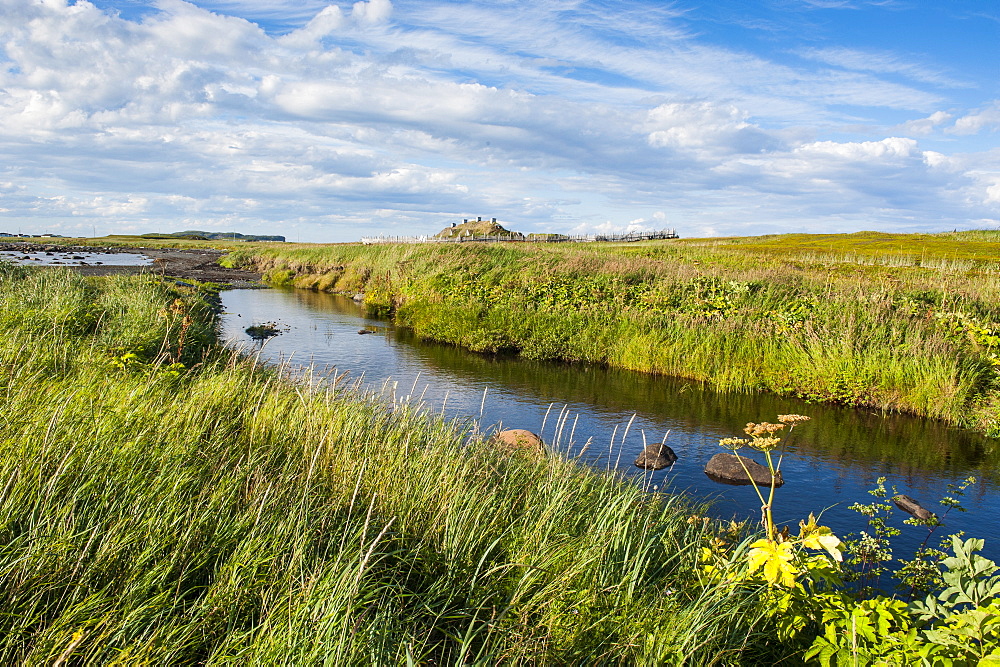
519,439
656,457
261,332
913,508
726,468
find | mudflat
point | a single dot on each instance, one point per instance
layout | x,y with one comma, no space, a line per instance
199,264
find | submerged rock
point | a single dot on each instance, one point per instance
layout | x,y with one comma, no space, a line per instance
726,468
656,457
913,508
261,332
519,439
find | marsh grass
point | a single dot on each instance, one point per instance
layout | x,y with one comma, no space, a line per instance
227,515
897,323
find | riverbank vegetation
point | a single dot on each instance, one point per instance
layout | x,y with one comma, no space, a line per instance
905,323
166,502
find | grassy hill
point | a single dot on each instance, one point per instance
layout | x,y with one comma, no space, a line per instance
195,235
476,228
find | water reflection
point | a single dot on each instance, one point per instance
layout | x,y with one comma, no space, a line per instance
606,416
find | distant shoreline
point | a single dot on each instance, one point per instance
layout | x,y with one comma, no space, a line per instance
188,263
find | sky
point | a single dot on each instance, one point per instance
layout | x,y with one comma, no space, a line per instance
326,122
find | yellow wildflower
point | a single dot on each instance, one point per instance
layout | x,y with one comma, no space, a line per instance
765,444
734,443
762,429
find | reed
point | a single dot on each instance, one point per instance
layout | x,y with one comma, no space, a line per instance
210,511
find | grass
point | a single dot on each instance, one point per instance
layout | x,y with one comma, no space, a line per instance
896,323
163,501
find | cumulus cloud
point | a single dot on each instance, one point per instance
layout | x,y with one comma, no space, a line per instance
656,222
371,11
891,180
885,150
984,119
924,126
705,126
993,192
326,22
331,19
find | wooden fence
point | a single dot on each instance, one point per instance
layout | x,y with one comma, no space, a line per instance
518,238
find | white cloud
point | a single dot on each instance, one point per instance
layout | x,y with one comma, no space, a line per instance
885,150
371,11
993,192
284,14
984,119
881,62
100,205
704,126
938,160
540,112
326,22
924,126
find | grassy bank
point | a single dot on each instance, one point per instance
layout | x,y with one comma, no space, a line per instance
164,502
902,323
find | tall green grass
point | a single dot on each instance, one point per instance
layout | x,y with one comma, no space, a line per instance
906,323
222,514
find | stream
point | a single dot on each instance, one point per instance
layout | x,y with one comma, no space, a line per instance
603,416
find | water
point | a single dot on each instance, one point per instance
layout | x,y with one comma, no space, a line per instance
831,463
74,258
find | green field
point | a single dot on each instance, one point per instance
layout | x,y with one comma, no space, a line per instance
905,323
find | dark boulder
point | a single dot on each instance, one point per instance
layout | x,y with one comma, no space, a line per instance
913,508
656,457
726,468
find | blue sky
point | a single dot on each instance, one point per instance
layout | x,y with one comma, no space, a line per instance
326,121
